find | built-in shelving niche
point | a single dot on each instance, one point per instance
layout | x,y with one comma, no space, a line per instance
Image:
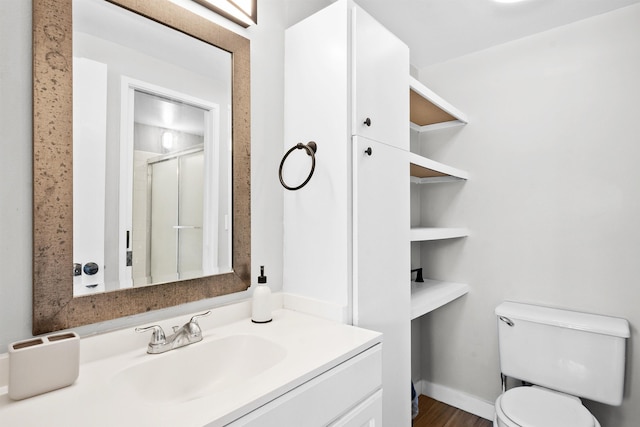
430,112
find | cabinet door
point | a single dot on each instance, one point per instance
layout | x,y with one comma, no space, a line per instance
381,295
380,91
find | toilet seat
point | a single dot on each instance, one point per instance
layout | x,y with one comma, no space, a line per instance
539,407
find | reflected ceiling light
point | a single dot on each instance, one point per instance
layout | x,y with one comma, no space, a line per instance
167,140
242,12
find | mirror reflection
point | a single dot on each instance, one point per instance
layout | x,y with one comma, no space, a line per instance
173,222
152,152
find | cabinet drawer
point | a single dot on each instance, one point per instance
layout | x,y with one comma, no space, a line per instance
366,414
324,398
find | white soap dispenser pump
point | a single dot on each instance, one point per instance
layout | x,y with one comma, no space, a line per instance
261,303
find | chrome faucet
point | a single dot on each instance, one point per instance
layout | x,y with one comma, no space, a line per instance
189,333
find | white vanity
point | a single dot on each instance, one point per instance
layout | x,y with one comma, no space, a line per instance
296,370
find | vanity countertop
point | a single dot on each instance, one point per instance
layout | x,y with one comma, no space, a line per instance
312,346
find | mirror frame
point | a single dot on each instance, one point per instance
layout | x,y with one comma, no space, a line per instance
54,306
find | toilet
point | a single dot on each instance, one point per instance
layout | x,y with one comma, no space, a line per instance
561,356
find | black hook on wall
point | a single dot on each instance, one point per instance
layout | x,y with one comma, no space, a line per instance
311,147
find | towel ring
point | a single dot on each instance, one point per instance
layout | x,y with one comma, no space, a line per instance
311,149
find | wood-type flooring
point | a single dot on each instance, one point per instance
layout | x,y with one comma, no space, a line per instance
437,414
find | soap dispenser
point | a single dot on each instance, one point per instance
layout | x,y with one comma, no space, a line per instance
261,303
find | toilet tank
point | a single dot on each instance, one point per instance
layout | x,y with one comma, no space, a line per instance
577,353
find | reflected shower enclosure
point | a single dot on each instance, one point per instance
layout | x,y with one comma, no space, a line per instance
174,241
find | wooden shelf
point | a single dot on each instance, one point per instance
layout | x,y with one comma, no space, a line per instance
424,170
428,111
422,234
432,294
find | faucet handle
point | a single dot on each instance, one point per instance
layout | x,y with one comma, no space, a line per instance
157,337
195,318
193,328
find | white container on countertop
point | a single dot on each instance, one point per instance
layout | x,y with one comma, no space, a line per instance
43,364
261,303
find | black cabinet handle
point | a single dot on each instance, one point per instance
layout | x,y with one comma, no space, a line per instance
367,121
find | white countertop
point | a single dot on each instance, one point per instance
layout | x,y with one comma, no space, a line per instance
313,345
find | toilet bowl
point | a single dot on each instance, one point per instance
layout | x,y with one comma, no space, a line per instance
540,407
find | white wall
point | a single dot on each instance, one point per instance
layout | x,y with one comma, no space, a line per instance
310,270
267,51
553,199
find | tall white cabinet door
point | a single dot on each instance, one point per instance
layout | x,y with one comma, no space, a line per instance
382,265
380,91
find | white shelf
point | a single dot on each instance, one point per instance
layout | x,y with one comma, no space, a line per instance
429,111
436,126
424,170
432,294
421,234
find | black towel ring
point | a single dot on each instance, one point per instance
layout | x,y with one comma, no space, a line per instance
311,149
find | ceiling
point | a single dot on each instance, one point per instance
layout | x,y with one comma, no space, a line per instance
439,30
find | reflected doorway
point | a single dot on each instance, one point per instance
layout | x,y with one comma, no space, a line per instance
173,221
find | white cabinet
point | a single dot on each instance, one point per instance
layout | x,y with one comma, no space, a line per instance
341,396
380,69
380,195
346,234
347,237
381,263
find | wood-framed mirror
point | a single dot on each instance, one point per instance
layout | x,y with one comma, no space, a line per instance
54,304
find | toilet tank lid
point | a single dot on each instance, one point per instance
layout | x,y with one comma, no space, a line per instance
595,323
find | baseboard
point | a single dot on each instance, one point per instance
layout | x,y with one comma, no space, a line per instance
456,398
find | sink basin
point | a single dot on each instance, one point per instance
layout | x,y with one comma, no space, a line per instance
198,370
